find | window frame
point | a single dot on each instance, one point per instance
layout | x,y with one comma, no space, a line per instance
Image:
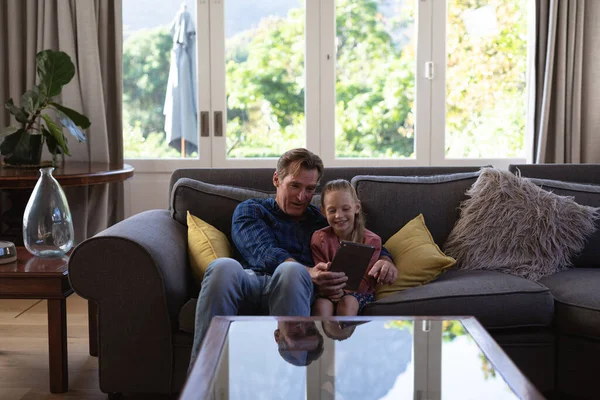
320,94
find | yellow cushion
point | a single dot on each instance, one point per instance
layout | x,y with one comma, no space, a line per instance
417,257
205,243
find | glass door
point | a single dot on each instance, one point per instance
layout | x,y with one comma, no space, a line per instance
372,82
480,102
258,80
166,83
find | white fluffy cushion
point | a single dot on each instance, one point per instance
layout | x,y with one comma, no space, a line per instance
511,225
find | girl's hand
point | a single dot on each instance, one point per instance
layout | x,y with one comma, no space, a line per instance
384,271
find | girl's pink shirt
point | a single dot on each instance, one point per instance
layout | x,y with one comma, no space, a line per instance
325,243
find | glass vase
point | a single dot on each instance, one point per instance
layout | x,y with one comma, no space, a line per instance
47,223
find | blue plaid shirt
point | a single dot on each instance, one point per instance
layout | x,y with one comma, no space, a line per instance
265,235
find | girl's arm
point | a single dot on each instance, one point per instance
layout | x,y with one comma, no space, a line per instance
317,247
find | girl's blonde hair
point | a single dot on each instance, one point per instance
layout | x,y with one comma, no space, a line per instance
358,233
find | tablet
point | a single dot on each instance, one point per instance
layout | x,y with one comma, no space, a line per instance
352,259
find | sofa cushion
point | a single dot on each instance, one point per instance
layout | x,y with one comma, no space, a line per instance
587,195
418,259
389,202
497,300
212,203
205,244
510,224
577,301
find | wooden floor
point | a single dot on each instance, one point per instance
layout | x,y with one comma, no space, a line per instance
24,352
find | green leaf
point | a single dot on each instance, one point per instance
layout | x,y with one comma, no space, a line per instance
32,100
55,69
20,114
71,119
70,125
53,145
79,119
9,130
57,133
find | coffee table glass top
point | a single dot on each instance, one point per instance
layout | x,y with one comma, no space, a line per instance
359,359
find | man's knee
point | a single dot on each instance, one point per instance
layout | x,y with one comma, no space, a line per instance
293,276
222,272
292,271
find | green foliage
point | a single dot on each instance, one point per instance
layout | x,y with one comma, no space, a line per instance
375,83
23,145
485,113
146,58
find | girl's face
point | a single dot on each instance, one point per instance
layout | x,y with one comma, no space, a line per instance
340,209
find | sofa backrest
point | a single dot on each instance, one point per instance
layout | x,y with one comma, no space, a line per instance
389,203
582,173
213,194
580,181
262,178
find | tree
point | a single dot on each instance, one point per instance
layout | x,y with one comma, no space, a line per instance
375,82
146,58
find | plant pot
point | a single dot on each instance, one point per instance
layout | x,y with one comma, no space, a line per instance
29,154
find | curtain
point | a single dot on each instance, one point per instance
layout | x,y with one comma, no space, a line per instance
90,31
567,83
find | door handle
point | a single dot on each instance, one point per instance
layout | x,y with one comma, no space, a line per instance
218,123
204,124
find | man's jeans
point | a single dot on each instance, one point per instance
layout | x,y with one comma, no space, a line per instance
229,289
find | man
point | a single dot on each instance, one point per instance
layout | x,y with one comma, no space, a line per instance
276,275
299,343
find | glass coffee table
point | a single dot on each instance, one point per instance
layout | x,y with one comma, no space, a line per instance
353,358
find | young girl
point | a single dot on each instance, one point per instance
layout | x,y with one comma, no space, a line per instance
341,207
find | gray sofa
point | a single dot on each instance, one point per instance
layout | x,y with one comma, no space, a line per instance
137,272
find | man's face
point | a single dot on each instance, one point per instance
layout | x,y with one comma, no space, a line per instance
299,336
296,340
294,192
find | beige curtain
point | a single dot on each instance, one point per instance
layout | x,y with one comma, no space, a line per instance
567,93
90,31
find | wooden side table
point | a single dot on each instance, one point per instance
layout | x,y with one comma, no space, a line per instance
33,277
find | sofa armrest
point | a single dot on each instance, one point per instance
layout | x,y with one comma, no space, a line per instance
137,272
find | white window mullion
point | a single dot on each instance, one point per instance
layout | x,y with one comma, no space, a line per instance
204,81
424,108
327,61
217,76
312,59
438,83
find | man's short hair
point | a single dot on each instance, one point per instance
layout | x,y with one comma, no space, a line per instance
292,160
305,357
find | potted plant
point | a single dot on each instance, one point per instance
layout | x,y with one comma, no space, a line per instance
38,115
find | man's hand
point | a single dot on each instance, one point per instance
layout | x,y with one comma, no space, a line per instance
329,284
384,271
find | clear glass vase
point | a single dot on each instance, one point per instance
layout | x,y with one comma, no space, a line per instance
47,223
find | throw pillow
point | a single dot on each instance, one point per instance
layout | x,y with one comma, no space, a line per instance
205,244
511,225
418,259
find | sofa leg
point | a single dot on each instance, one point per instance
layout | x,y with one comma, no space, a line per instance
114,396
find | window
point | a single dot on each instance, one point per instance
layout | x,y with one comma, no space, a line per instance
361,82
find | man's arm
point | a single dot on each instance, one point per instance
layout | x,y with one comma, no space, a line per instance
255,239
385,253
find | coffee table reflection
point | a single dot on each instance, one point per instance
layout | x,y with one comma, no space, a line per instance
353,358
